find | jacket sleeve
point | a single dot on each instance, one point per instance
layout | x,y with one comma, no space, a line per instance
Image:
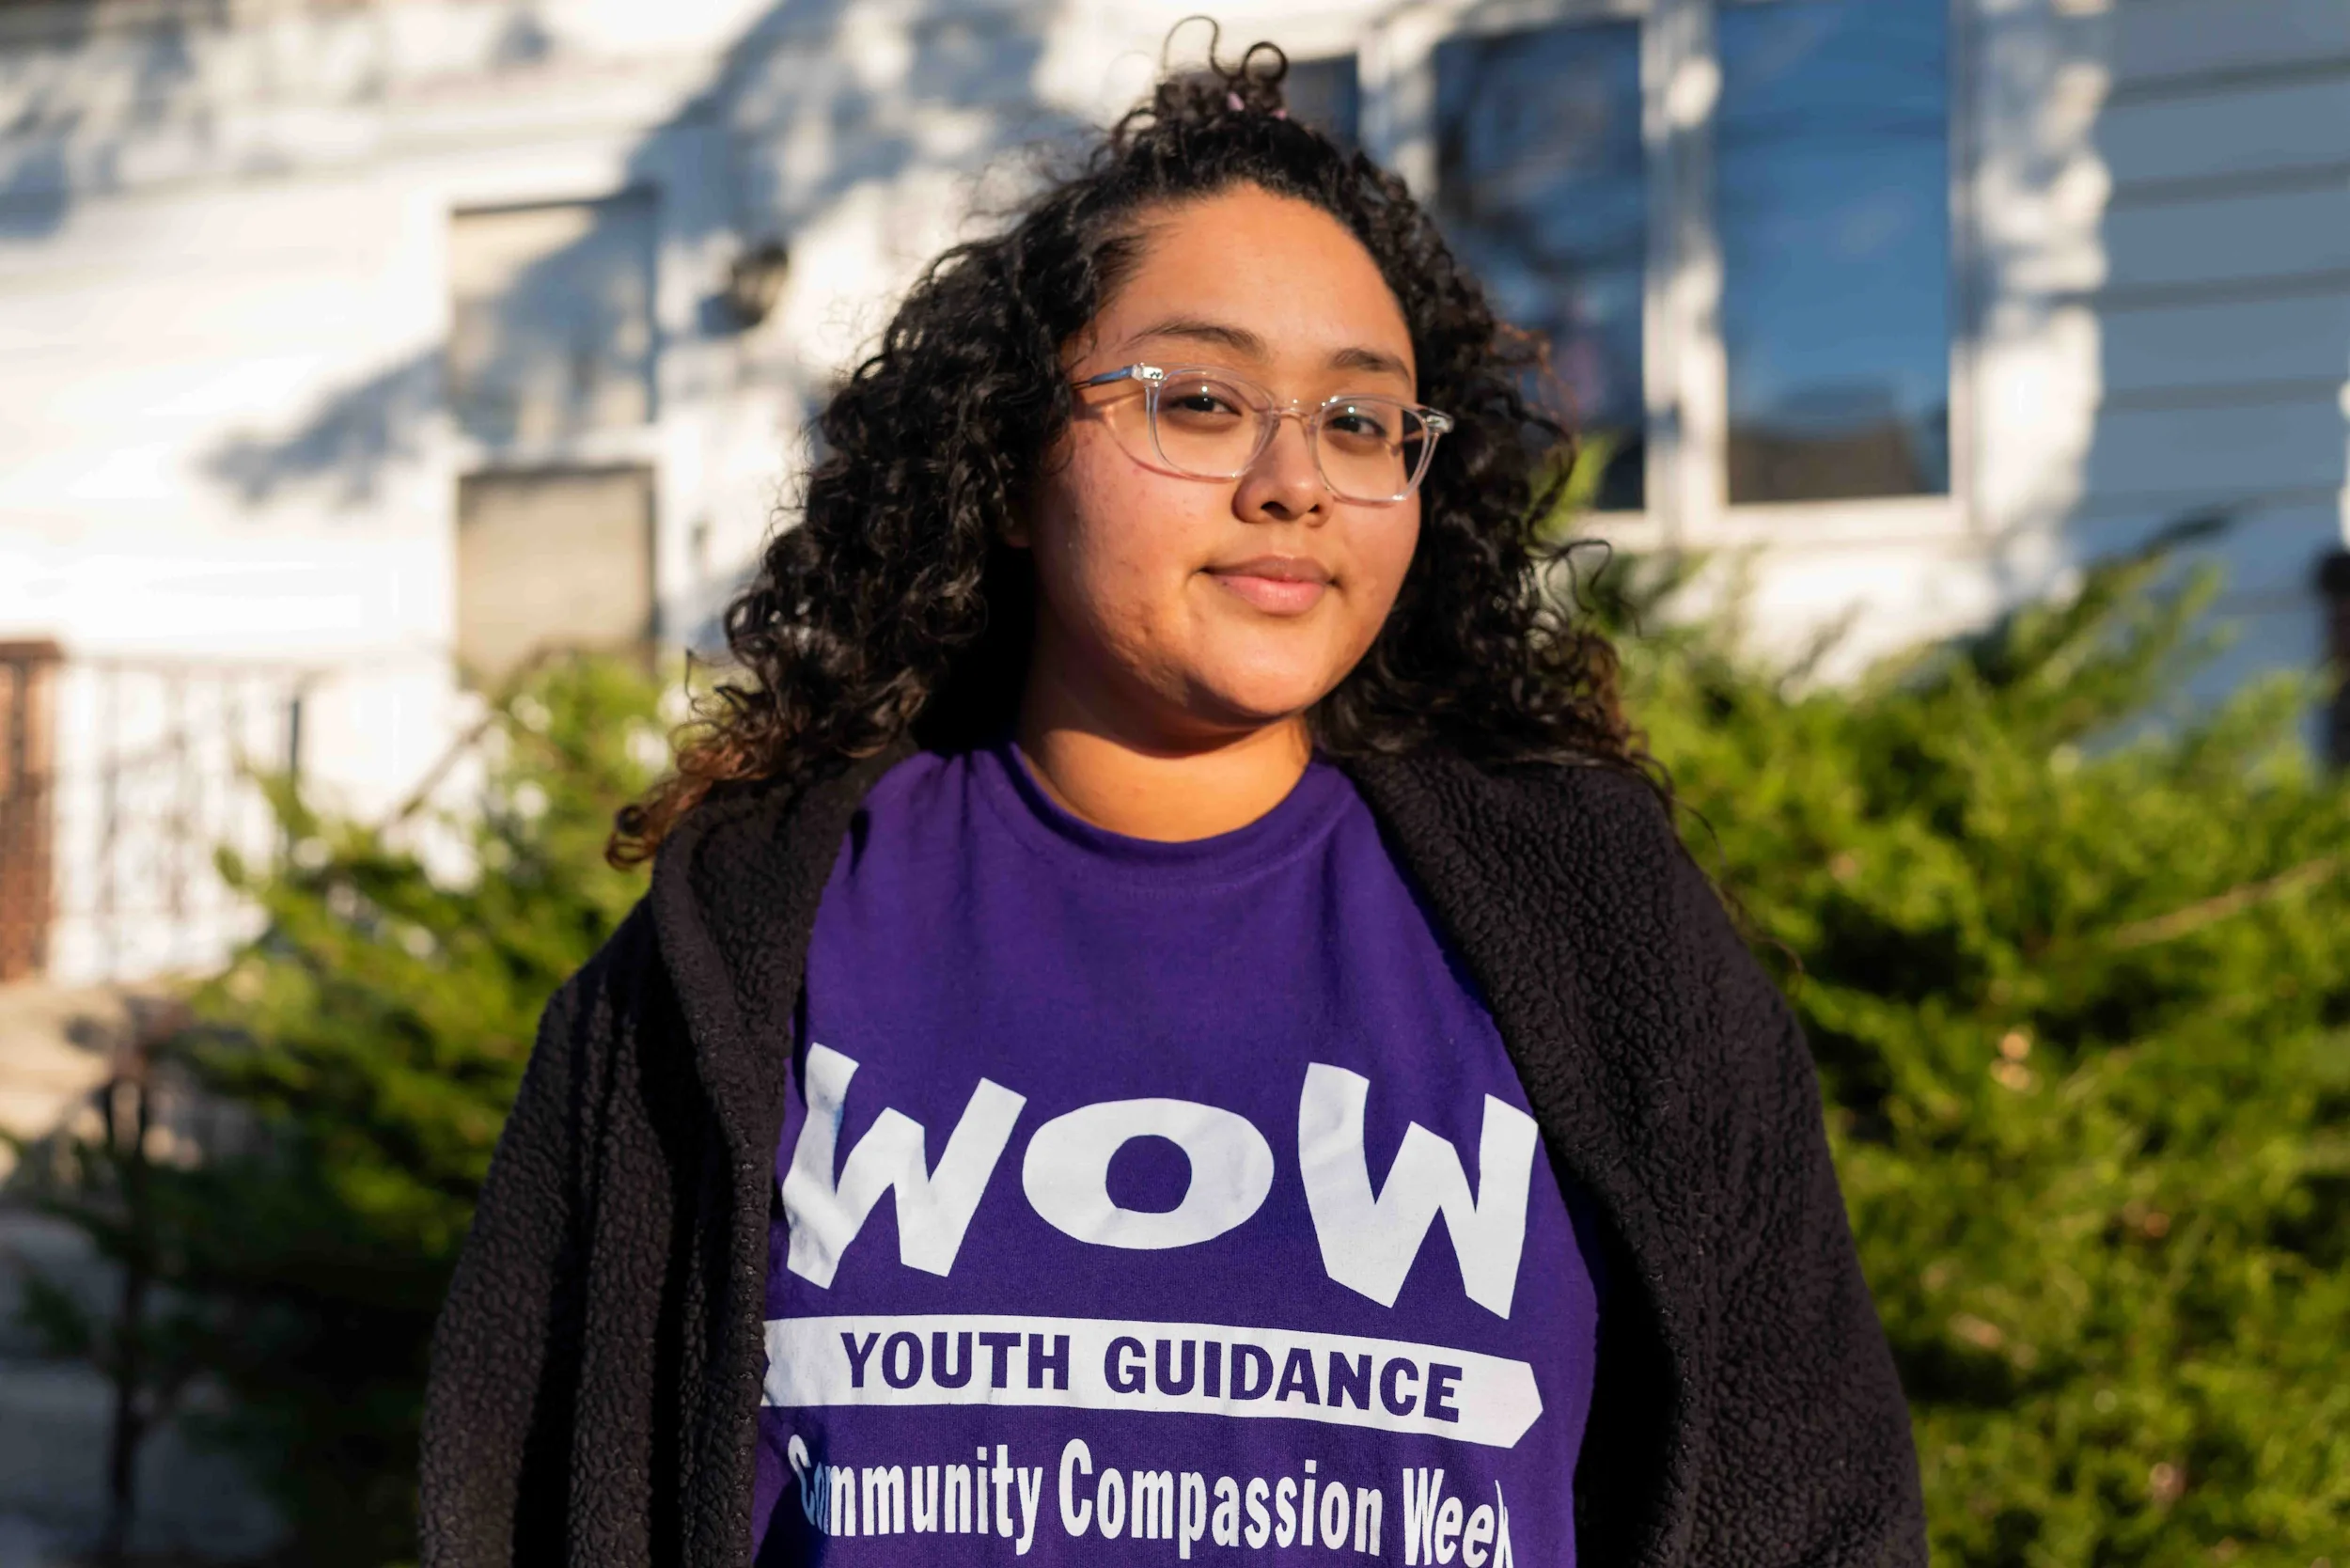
1811,1460
493,1473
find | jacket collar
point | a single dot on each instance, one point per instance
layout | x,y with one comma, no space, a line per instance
734,896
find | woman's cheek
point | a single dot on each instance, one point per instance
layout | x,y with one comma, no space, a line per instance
1117,579
1389,544
1116,521
1144,552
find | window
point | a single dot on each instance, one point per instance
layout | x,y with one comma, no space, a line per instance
1542,185
1326,95
549,560
1816,167
1832,202
551,363
551,330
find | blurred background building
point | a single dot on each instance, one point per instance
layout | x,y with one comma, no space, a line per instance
353,351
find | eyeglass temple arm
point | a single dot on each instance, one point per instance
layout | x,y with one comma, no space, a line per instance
1125,373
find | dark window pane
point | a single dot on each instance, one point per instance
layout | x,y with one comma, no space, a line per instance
1541,187
1325,95
1832,178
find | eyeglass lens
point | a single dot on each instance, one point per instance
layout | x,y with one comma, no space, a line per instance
1369,449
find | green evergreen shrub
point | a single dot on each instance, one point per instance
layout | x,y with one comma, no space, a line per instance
373,1037
2076,967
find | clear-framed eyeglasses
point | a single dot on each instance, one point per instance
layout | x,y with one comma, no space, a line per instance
1205,423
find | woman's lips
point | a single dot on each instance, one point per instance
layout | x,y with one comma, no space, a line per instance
1277,585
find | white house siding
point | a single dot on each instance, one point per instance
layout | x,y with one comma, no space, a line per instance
2171,325
2225,308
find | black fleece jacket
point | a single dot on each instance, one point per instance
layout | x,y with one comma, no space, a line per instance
597,1367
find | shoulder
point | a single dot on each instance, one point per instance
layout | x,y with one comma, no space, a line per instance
610,998
1594,842
1599,800
1570,889
743,870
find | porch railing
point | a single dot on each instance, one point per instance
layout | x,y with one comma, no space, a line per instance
123,779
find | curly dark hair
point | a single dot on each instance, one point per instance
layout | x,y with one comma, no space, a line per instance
893,606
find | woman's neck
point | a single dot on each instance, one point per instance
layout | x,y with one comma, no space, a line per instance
1151,787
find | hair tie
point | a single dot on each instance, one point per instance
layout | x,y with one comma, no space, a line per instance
1231,102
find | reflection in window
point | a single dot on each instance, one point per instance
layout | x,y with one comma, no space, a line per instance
1541,187
1325,95
551,319
1832,183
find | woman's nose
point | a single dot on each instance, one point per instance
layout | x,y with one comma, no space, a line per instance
1284,483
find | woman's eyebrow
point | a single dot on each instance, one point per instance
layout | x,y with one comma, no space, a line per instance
1242,341
1373,360
1239,339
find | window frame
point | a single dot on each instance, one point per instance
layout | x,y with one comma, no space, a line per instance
1684,367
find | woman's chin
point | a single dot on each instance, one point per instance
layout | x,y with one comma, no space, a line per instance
1257,700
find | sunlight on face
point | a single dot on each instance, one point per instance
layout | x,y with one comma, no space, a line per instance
1182,609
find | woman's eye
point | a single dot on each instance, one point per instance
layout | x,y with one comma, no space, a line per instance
1360,423
1201,401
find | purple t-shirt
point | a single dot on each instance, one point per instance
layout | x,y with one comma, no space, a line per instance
1144,1201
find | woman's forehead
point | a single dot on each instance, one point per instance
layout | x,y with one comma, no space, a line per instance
1261,280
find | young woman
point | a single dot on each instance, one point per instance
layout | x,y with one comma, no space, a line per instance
1170,1020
